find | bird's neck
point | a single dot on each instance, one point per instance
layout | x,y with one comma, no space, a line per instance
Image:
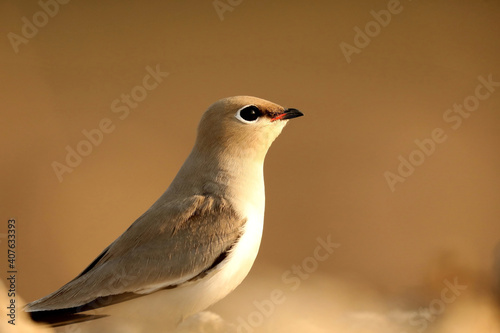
237,177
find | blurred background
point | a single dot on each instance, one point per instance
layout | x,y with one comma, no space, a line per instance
371,78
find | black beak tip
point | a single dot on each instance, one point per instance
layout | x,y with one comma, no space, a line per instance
292,113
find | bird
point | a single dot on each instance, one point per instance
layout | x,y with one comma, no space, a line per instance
199,240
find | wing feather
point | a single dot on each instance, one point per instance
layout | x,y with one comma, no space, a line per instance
171,243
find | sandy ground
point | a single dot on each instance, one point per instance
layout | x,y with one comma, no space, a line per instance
323,304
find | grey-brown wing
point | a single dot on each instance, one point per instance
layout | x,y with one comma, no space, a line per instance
170,244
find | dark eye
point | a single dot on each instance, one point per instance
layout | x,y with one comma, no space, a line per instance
248,114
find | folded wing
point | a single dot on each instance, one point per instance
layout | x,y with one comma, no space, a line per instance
170,244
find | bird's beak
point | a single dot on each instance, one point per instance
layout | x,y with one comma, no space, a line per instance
288,114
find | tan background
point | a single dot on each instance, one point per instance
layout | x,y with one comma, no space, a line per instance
324,175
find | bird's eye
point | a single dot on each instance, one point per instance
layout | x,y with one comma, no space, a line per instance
248,114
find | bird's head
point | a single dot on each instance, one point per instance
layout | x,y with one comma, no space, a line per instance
242,126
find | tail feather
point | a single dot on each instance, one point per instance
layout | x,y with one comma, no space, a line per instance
56,318
66,316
